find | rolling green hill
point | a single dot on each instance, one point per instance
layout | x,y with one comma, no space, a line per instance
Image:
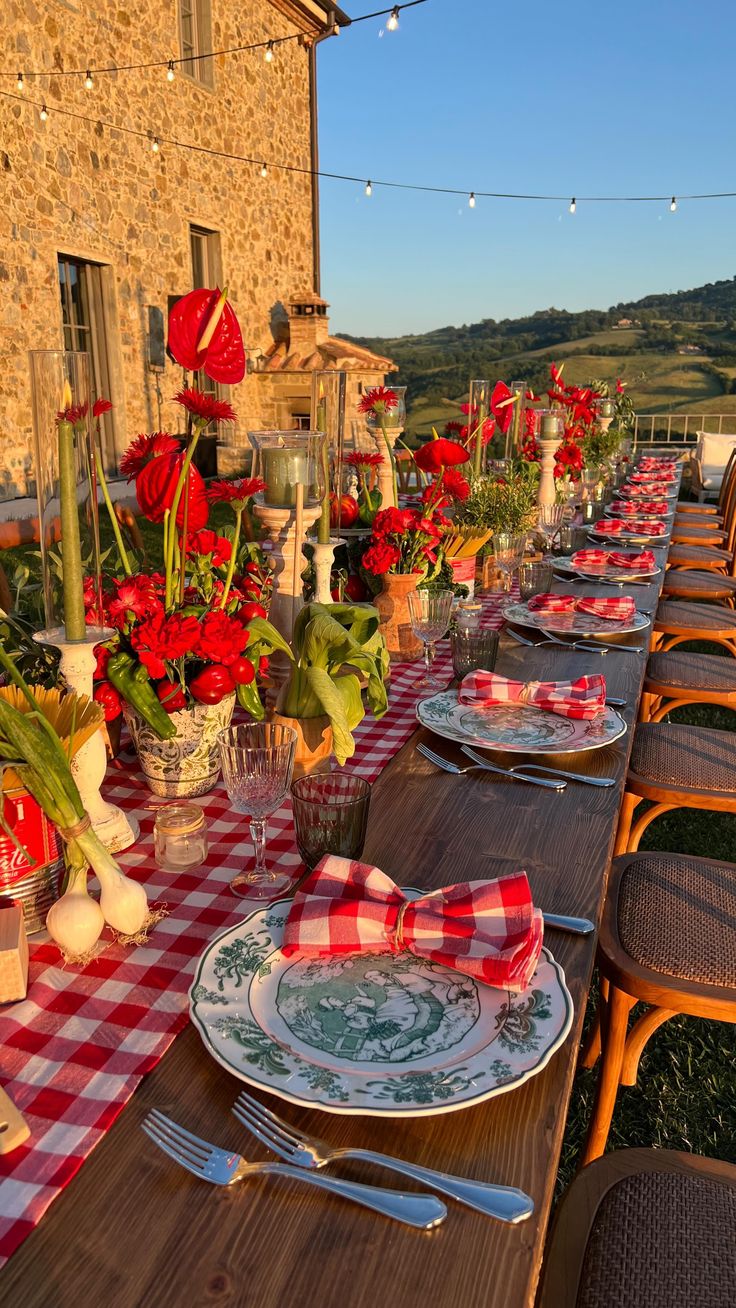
645,351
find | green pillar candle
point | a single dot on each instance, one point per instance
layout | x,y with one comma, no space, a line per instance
71,548
549,428
283,470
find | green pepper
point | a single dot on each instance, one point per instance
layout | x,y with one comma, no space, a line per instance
131,679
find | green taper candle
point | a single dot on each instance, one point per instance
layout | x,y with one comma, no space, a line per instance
323,527
71,546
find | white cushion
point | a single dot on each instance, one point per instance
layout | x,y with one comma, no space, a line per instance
713,451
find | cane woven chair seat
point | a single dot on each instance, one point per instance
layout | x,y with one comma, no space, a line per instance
698,556
677,916
662,1241
678,617
676,757
686,533
705,585
698,674
698,510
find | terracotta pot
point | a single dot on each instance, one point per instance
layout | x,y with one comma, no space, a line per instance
189,763
313,743
393,605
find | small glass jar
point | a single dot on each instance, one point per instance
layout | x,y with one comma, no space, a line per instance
468,614
180,837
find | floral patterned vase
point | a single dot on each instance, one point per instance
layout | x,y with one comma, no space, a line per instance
189,763
393,605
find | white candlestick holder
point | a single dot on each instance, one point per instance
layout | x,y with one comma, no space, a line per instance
286,597
547,493
324,557
116,829
386,469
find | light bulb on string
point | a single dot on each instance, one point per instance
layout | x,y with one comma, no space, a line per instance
170,73
393,21
471,200
89,80
264,170
268,56
20,82
43,115
573,205
368,188
673,204
155,145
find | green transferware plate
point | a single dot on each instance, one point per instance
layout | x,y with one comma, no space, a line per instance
516,728
384,1035
572,624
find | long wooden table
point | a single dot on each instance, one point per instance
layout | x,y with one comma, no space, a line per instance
134,1231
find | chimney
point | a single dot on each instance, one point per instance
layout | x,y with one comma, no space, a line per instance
309,325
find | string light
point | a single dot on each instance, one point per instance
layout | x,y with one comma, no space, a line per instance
573,205
471,200
20,82
89,80
673,204
264,170
155,145
368,188
268,56
170,74
44,113
393,21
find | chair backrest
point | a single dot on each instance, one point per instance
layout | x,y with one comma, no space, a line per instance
714,450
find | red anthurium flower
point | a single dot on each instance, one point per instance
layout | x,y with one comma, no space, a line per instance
155,485
205,408
439,454
503,413
204,334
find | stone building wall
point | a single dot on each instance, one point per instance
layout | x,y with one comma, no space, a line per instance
88,190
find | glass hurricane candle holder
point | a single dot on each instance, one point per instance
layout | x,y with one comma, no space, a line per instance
395,417
66,487
549,424
286,460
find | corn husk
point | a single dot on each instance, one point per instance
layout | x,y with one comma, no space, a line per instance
75,719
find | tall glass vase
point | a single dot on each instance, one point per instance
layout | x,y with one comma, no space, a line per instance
328,416
515,433
60,380
479,398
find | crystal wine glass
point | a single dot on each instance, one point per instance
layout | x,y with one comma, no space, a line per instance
549,521
257,763
508,551
429,611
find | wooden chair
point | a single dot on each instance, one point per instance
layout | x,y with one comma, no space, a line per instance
668,940
644,1228
706,514
711,587
407,473
673,680
676,622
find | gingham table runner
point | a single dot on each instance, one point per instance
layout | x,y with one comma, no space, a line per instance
73,1052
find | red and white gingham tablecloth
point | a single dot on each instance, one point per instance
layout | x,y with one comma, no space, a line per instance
73,1052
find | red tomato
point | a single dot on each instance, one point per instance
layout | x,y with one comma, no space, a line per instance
250,610
212,684
348,510
106,695
171,695
242,671
354,589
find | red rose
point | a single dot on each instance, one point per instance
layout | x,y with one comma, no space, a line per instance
221,639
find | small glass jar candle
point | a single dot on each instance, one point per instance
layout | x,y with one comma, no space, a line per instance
180,837
468,615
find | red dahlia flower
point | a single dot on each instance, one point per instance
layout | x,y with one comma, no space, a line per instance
379,400
454,484
204,334
235,492
205,408
439,454
456,428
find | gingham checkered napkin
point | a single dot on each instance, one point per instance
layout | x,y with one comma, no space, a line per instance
642,562
626,510
614,608
489,930
650,464
645,490
584,698
637,526
665,475
73,1052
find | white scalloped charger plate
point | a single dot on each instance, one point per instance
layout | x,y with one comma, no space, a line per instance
383,1035
572,624
607,572
516,728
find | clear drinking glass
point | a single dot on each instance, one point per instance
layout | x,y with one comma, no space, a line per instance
257,763
508,551
534,579
571,539
551,518
472,650
330,815
429,611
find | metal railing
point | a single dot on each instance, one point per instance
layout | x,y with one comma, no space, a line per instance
680,428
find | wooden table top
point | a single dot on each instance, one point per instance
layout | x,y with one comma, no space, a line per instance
133,1230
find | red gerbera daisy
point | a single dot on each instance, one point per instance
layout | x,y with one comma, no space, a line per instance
100,406
143,449
74,413
235,492
378,400
364,459
205,408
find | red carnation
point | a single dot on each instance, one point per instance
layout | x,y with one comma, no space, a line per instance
379,400
392,520
380,557
205,408
136,597
208,542
204,333
221,639
439,454
160,638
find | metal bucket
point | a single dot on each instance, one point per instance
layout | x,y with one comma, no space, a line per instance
34,884
36,893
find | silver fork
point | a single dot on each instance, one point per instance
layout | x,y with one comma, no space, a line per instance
222,1168
540,767
447,766
502,1201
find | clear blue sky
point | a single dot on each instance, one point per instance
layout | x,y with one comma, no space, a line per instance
566,98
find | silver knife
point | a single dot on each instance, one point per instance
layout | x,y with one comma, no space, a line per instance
577,926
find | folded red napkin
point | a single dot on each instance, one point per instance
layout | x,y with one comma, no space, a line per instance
642,562
488,929
663,474
665,461
613,608
626,510
584,698
637,526
643,490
